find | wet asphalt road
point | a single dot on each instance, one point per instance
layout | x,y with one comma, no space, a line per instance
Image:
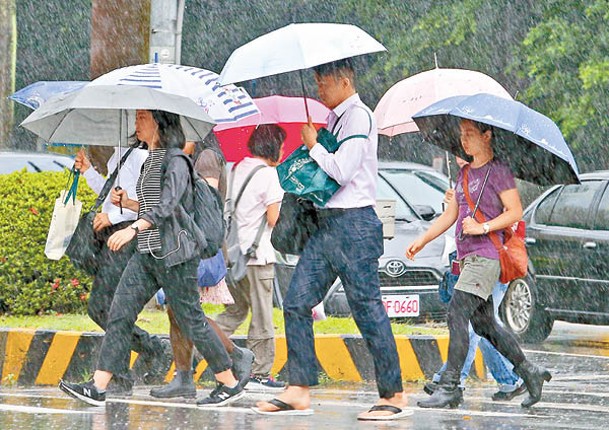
576,398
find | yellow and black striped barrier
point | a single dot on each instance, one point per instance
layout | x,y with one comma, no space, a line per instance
43,357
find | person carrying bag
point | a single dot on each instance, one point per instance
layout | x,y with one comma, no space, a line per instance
86,244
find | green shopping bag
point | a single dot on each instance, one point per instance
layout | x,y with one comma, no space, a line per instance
301,175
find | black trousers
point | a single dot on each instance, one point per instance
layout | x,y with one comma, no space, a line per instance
141,279
111,267
465,307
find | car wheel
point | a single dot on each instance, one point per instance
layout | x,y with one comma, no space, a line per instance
522,314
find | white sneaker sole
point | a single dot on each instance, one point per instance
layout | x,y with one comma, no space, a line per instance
259,388
80,397
228,401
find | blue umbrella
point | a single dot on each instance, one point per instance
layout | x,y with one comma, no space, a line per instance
37,93
528,141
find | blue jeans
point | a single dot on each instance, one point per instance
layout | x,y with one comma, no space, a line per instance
498,365
348,244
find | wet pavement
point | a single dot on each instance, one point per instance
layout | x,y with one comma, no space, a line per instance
576,398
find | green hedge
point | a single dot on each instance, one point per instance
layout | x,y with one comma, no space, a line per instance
30,283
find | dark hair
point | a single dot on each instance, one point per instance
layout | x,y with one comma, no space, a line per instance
171,134
337,69
483,128
266,141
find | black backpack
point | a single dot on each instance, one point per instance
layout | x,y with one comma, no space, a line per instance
208,218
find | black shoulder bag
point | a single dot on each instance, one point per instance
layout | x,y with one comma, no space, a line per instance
86,244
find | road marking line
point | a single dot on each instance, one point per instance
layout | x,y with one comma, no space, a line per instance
565,354
39,410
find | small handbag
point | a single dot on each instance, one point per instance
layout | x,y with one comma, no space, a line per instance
211,270
85,245
297,222
512,252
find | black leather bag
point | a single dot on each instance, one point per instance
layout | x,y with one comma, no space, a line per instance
296,224
85,245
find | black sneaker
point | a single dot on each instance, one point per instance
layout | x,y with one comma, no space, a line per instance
258,383
222,396
86,392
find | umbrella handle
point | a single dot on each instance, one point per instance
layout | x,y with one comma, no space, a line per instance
304,95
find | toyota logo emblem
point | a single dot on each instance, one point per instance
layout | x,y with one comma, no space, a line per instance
395,268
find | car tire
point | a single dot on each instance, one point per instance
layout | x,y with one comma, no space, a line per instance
522,314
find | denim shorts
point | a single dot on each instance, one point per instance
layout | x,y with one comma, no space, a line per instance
478,275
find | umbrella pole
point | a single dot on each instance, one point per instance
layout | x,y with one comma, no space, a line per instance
304,94
120,155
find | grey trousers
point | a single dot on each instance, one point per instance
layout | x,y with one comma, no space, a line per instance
142,278
255,293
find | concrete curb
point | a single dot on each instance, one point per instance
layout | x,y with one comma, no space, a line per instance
43,357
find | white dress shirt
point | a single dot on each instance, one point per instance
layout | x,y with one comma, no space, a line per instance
354,166
127,177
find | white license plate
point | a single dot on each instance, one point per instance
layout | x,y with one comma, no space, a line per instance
402,305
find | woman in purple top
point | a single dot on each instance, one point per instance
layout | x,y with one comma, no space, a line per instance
480,269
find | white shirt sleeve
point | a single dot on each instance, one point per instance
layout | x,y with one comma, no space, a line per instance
95,180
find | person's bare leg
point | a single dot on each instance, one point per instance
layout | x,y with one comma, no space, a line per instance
182,346
101,379
297,396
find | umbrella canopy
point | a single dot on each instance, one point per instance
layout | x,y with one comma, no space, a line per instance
407,97
37,93
223,103
296,47
287,112
105,114
528,141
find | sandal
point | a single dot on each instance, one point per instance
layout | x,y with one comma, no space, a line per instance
397,413
283,408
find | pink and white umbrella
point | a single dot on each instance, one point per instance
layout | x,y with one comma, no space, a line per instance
287,112
407,97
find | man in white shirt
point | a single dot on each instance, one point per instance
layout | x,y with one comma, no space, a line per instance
348,244
260,201
112,264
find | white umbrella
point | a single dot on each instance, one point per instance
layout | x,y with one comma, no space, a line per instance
296,47
105,115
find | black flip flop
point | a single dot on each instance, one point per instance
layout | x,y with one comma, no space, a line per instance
283,408
397,413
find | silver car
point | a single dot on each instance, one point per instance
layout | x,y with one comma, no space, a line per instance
11,161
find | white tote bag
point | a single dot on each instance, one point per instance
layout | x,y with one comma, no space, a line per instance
63,224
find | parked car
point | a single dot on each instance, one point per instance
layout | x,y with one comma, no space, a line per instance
567,239
11,161
409,289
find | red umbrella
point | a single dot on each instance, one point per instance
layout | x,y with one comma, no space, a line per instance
287,112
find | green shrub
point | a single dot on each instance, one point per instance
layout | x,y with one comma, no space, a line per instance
30,283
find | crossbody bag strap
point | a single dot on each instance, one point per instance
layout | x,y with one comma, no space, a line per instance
233,206
109,182
478,215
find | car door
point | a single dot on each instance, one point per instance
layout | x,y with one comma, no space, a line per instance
594,257
555,241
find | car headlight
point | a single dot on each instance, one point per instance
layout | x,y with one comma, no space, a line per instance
449,246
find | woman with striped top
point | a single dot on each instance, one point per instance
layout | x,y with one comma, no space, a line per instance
167,257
